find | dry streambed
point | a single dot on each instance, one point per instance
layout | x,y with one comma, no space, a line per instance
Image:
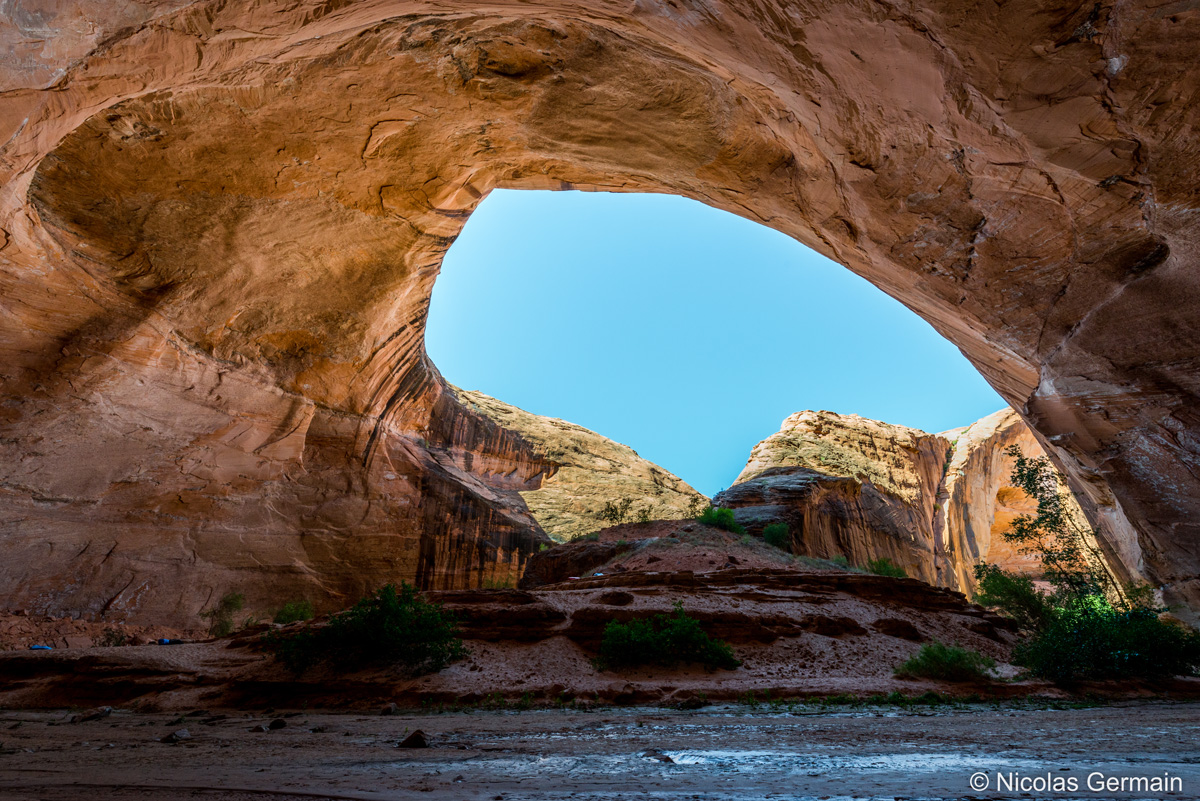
715,753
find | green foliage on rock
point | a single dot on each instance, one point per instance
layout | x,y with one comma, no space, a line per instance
886,567
942,662
295,611
664,640
220,617
1091,639
721,518
1087,627
616,512
390,628
777,534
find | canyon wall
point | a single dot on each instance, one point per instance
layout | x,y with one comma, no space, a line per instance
935,504
588,471
220,224
978,503
846,486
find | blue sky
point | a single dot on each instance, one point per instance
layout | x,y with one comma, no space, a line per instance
685,332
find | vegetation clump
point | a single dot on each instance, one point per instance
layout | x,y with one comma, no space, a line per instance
1092,639
616,512
1088,626
936,660
777,534
662,640
294,611
886,567
392,627
112,638
1015,595
220,617
721,518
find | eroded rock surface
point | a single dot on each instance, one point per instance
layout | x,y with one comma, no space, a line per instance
799,632
220,224
935,504
846,485
587,471
978,503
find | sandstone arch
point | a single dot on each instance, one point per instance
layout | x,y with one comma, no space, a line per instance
221,224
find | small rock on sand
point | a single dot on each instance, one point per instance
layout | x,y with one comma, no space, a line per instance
414,740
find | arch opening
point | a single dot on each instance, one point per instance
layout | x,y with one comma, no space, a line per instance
683,331
253,235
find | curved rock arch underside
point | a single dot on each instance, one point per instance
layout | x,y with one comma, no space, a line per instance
221,223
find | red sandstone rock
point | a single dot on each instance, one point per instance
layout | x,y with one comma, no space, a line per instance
935,505
220,224
799,632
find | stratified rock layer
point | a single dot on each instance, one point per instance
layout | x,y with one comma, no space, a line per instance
220,224
935,505
846,486
587,472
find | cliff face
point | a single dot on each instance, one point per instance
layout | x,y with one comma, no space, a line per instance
220,224
978,502
933,504
586,472
846,485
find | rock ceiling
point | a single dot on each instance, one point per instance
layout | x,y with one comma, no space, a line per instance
220,224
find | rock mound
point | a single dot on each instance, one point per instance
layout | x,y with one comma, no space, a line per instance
585,472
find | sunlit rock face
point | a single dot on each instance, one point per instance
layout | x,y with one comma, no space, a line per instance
220,224
934,504
846,486
587,472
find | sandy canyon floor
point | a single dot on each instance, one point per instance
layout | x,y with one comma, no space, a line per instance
722,752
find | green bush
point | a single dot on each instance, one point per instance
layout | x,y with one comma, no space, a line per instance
220,617
841,561
616,512
1088,627
295,611
946,663
391,627
721,518
886,567
662,640
1014,595
777,534
1093,640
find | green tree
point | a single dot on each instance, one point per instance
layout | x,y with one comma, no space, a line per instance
662,640
1088,627
220,617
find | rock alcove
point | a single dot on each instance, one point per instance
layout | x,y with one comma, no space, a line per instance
221,226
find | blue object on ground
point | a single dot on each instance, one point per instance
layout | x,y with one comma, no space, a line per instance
40,648
168,641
